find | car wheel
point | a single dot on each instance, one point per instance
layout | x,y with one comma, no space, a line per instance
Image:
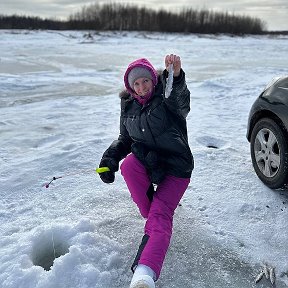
269,153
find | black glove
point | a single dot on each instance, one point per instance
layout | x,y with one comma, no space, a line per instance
113,165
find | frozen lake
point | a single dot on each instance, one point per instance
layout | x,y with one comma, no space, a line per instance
59,110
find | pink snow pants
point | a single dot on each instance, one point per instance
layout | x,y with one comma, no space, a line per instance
159,213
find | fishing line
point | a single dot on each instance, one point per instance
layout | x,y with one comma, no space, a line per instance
53,243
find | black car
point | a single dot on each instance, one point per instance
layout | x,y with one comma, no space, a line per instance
267,133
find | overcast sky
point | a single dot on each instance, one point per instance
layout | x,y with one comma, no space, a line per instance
273,12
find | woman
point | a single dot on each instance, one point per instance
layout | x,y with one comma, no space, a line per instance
157,170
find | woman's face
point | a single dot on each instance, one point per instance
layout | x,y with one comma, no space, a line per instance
143,86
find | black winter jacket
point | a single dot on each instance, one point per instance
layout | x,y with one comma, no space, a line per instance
158,126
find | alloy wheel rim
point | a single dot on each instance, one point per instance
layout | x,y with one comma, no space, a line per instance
267,152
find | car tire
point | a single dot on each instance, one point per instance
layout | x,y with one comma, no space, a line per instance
269,153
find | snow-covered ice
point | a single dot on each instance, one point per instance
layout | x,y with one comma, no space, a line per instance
60,110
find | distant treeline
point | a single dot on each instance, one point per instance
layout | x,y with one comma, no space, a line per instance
133,18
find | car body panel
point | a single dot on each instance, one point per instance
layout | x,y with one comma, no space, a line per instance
272,103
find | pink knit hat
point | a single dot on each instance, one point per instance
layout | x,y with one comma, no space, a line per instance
138,69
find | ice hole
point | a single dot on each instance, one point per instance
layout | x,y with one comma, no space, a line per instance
48,246
212,146
212,142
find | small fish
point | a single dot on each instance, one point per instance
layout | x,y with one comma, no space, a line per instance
169,82
272,275
266,272
259,276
